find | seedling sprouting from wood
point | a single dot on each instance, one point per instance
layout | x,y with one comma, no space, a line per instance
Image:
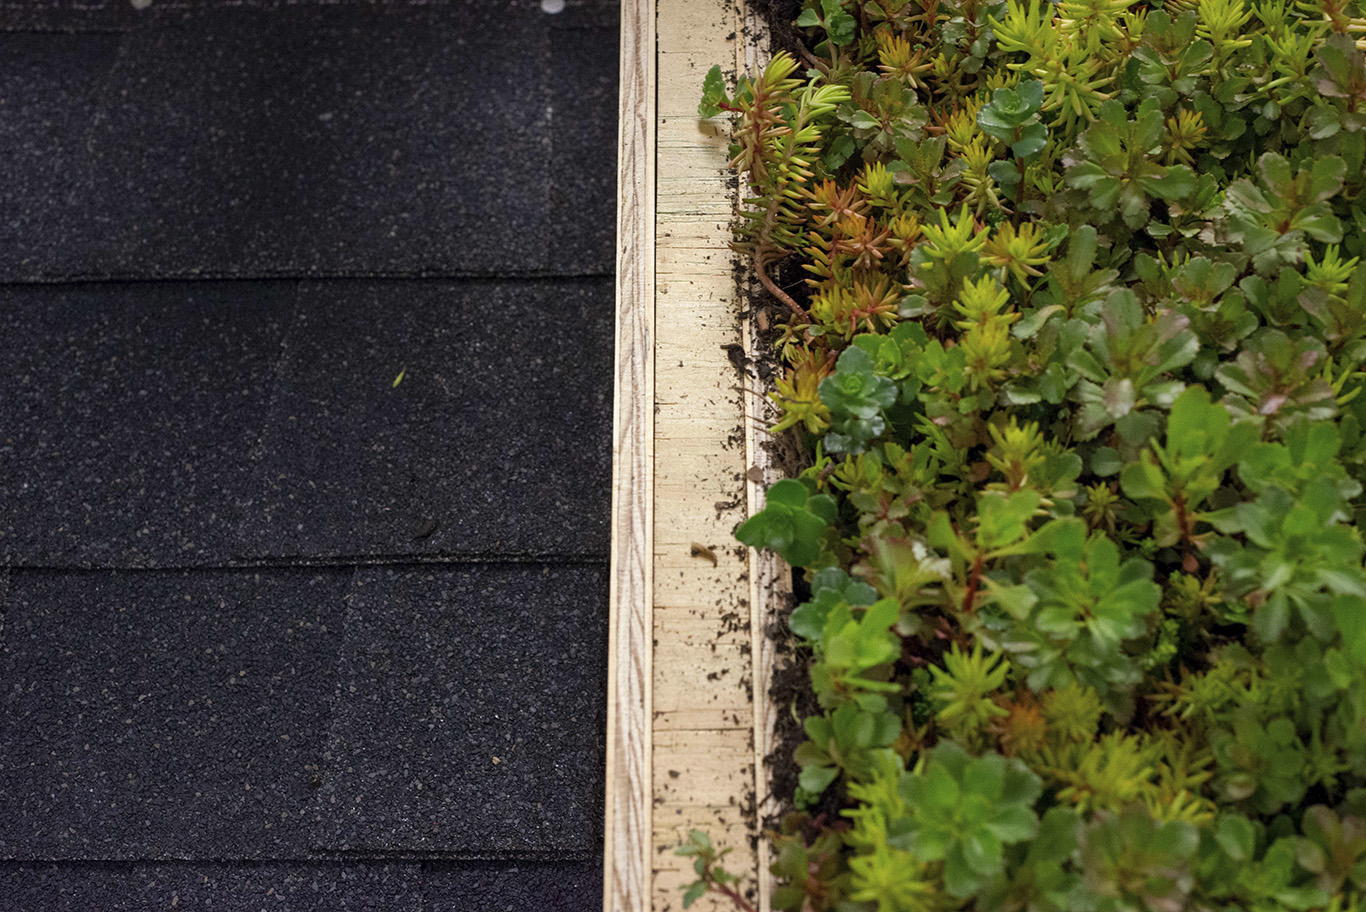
711,877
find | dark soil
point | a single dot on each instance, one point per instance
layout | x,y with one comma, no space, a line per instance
790,690
781,16
791,693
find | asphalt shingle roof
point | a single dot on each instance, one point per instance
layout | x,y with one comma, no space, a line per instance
295,887
180,424
313,140
275,632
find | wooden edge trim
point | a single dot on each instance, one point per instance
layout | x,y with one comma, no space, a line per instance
770,578
627,830
702,707
690,720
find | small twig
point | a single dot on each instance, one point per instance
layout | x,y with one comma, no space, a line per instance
734,896
760,267
974,583
1189,562
711,877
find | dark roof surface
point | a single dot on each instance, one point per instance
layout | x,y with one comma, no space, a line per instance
275,632
179,424
313,140
303,887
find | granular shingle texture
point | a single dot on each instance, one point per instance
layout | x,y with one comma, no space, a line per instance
583,194
131,417
469,715
165,715
496,443
514,887
298,887
49,86
305,434
315,140
209,424
455,711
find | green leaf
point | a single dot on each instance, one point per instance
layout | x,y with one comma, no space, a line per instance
788,492
962,811
1349,612
865,121
1014,824
694,892
1178,182
1004,173
792,523
1144,481
1003,519
1236,836
1105,461
1033,138
841,148
713,93
840,26
816,779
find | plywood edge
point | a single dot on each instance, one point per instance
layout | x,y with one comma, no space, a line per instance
628,826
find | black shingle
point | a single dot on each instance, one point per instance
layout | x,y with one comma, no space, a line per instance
322,140
496,442
49,87
130,417
209,887
303,887
186,424
165,715
470,716
122,15
301,738
513,886
583,189
154,715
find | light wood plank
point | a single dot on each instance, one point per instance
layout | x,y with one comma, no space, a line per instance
684,750
628,827
703,735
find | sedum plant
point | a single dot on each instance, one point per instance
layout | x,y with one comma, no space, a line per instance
1071,312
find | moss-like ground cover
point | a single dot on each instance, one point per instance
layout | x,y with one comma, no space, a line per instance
1078,363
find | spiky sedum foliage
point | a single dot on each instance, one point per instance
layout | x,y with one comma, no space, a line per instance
1078,360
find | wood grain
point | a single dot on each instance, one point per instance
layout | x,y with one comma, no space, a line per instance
683,751
703,741
628,826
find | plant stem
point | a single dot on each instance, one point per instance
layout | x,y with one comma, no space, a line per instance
1189,562
974,583
1019,192
733,895
761,260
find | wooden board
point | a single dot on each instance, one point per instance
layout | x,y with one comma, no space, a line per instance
686,737
627,826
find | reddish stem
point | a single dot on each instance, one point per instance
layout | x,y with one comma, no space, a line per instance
1189,562
734,896
974,583
760,266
